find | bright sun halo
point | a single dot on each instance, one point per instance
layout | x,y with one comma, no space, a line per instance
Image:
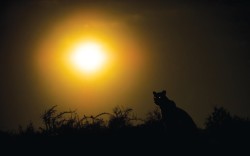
88,57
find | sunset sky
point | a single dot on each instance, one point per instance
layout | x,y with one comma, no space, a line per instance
198,51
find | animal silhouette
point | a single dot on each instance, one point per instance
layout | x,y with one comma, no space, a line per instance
175,119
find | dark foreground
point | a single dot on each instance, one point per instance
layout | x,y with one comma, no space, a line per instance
129,141
66,133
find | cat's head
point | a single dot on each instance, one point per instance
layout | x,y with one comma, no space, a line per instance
160,97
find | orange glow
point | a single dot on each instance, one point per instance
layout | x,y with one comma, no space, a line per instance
83,58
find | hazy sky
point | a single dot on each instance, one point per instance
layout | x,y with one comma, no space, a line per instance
197,51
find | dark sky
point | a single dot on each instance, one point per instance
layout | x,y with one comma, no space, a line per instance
197,50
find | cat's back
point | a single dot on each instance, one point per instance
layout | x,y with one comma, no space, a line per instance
185,119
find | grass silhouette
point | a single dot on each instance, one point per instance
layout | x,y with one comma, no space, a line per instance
122,130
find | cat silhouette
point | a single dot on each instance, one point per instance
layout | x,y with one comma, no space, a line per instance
175,119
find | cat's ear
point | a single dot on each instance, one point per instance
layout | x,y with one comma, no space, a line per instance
164,92
154,93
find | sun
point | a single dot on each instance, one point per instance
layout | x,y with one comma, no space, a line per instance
88,57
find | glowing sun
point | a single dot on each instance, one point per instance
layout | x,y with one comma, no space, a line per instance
88,57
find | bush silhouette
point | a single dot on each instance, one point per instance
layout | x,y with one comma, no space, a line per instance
220,118
227,130
57,123
120,118
121,128
153,120
28,131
